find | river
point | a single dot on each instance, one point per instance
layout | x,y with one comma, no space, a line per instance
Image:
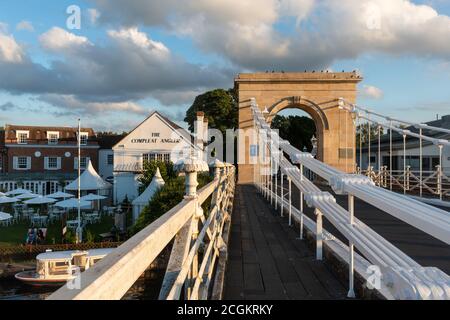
146,288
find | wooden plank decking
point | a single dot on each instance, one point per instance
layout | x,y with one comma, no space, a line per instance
267,261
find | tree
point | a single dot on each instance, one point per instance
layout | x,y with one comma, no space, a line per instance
220,108
363,131
296,129
165,168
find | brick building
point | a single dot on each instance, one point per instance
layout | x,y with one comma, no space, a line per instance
43,159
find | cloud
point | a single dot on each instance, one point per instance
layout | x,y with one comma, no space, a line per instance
25,26
371,92
72,105
7,106
128,66
93,15
57,40
3,27
249,35
10,50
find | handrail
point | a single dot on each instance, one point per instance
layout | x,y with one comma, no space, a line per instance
112,277
402,276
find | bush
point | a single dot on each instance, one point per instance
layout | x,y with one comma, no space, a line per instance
70,237
165,199
90,237
166,169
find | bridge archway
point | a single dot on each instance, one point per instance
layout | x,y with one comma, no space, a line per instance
317,94
313,110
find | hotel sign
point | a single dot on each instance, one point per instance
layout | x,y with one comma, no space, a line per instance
155,139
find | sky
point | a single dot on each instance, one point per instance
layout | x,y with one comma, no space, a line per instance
123,59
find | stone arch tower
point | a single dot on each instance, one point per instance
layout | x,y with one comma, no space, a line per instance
317,94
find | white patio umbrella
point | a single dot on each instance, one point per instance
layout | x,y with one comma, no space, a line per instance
60,195
5,216
4,200
40,200
27,196
73,203
2,194
92,197
17,191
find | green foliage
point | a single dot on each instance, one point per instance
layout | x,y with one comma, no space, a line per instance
362,131
165,199
70,237
220,108
166,169
90,237
297,130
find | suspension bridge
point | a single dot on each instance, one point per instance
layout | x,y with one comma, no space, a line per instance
294,226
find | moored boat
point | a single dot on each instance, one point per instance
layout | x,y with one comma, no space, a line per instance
56,268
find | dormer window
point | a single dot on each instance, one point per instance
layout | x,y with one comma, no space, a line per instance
52,137
83,138
22,136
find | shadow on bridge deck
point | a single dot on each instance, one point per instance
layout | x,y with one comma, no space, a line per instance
267,261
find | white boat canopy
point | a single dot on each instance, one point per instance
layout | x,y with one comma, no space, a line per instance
140,202
17,191
89,180
40,200
60,195
4,216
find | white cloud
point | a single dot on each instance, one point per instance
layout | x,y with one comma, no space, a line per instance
3,27
72,104
25,26
10,50
93,15
247,34
57,39
133,37
371,92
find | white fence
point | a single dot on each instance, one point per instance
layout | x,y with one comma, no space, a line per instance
198,254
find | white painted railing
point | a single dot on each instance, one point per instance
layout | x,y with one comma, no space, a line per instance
198,254
426,183
400,276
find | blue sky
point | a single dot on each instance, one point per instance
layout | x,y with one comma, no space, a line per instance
146,55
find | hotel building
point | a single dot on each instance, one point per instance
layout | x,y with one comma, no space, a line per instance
43,159
156,138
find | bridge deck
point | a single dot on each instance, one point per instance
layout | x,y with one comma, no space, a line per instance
266,261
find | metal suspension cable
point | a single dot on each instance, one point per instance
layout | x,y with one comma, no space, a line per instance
417,125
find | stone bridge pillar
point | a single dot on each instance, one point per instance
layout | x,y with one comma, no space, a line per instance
317,94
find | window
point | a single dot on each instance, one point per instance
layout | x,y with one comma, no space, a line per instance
52,137
22,136
22,163
110,159
53,163
83,164
155,156
83,138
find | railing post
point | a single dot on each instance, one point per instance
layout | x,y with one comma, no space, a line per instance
301,204
351,262
439,181
408,175
190,167
276,190
290,201
281,195
319,234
